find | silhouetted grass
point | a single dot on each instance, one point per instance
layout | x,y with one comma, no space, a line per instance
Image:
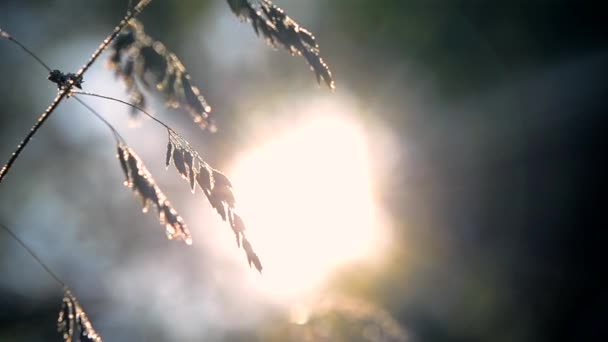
279,29
140,61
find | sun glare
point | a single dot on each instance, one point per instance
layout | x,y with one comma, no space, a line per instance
307,199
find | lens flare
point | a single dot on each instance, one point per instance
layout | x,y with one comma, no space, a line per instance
306,196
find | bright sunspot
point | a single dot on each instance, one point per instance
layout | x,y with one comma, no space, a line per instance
306,196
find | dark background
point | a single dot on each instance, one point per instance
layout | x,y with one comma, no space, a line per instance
502,104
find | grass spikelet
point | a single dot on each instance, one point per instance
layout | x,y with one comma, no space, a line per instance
238,226
139,179
4,34
179,160
252,258
73,319
279,29
214,184
169,154
139,59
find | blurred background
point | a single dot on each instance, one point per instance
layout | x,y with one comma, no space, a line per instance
449,190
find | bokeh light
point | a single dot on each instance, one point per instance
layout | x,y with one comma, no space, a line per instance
307,196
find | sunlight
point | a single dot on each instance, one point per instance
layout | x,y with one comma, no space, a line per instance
306,196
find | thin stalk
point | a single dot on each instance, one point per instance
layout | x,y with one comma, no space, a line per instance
172,133
128,104
43,117
106,42
31,252
6,35
117,135
63,93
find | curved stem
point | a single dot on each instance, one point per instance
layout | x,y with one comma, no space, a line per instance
128,104
67,90
117,135
6,35
172,133
60,96
31,252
